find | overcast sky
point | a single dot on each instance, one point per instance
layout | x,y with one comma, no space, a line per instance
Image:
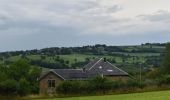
31,24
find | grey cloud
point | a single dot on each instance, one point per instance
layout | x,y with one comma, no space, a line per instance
28,24
65,6
2,17
160,16
114,8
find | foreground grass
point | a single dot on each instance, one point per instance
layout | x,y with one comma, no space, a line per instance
161,95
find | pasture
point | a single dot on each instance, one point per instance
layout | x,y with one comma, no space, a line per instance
160,95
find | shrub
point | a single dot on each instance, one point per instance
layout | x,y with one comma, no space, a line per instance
117,84
93,85
68,87
100,84
135,84
165,79
34,88
24,87
8,86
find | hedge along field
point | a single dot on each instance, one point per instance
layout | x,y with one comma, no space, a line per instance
161,95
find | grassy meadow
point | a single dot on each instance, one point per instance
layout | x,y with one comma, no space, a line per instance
160,95
138,58
82,57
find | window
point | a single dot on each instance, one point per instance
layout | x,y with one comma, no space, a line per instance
51,83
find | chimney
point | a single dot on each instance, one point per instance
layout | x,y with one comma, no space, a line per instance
105,59
84,70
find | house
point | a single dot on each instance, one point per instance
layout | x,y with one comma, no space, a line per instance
97,67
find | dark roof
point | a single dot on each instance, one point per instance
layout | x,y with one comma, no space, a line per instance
93,68
71,74
104,67
75,74
91,63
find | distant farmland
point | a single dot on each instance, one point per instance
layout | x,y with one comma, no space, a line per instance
128,58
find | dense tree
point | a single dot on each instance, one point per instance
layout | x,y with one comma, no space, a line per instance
8,86
34,74
75,60
67,62
166,63
87,59
55,65
23,87
19,69
19,78
165,67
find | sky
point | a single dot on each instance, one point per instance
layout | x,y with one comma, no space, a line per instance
36,24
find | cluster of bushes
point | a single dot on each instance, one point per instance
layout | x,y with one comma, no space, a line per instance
19,78
163,80
100,85
45,64
96,85
78,64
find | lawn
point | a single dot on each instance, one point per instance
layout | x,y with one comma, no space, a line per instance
161,95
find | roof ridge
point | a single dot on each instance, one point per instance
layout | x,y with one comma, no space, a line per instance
65,69
95,63
58,74
52,72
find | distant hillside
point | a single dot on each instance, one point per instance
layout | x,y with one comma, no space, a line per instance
97,49
127,57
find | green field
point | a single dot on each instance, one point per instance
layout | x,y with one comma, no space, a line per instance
129,62
81,57
161,95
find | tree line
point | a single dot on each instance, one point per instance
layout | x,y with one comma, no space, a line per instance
97,49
